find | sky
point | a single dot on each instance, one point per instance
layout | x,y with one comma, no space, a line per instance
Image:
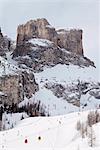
83,14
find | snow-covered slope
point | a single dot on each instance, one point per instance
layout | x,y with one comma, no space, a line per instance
11,119
8,65
48,133
67,76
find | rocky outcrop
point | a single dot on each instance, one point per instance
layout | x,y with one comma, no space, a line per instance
33,29
40,28
58,46
36,57
74,92
14,88
5,44
71,40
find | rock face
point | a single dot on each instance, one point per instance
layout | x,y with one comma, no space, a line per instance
71,40
36,56
14,88
40,28
74,92
62,46
35,28
5,44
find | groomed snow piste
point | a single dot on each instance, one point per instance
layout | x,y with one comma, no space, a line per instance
48,133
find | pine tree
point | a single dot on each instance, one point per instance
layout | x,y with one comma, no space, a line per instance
83,130
78,125
22,117
91,136
91,118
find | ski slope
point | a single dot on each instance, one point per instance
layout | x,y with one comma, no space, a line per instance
48,133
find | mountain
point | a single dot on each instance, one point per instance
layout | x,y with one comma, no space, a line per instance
45,73
40,28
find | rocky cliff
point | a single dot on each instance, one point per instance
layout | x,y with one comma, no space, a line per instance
40,28
15,84
44,45
14,88
71,40
5,44
36,56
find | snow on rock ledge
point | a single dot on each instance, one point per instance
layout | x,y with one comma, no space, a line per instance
40,42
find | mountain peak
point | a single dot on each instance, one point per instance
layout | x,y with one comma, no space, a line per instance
40,28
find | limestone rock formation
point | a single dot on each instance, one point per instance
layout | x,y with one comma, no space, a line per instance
36,56
14,88
40,28
5,44
62,46
71,40
60,90
35,28
15,84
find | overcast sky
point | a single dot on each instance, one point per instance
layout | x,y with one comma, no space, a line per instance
84,14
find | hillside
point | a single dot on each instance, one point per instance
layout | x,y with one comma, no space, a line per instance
49,133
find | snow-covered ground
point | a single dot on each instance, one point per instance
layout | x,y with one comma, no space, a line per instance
48,133
64,75
11,119
7,65
67,74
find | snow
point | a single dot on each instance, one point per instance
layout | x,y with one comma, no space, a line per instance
25,57
49,26
56,133
7,65
64,75
54,105
1,93
91,101
24,102
11,119
40,42
67,74
51,104
62,32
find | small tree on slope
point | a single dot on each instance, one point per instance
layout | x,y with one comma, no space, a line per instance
91,136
